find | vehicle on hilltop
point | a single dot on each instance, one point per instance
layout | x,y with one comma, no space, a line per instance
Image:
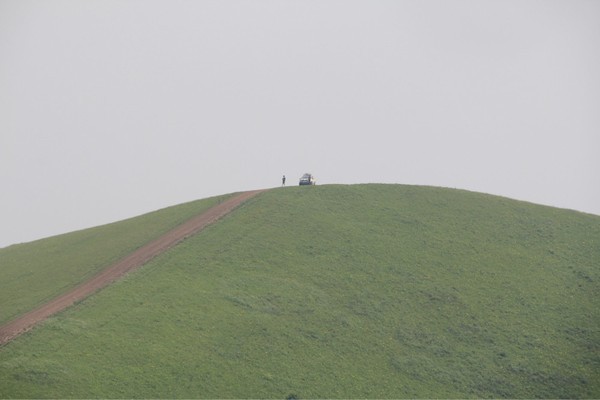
307,179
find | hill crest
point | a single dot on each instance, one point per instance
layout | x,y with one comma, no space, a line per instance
363,291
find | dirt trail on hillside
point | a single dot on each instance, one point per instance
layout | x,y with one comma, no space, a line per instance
134,260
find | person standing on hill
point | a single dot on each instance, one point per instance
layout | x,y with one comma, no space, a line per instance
283,181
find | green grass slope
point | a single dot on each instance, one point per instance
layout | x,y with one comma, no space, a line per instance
32,273
376,291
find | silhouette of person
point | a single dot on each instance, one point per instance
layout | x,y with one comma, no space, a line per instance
283,181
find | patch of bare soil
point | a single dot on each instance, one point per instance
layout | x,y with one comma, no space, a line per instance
135,260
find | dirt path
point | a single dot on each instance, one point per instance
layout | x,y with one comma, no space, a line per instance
136,259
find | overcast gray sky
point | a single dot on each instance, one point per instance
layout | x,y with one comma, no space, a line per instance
110,109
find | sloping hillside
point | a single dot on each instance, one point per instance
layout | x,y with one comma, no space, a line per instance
32,273
340,291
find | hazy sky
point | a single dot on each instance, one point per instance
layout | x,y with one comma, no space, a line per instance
110,109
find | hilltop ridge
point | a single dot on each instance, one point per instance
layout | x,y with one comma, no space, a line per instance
377,291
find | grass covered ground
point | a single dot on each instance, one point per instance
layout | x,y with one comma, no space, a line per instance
32,273
377,291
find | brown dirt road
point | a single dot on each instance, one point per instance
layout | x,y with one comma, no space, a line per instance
135,260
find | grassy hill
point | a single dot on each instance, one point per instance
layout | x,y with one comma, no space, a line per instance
32,273
378,291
